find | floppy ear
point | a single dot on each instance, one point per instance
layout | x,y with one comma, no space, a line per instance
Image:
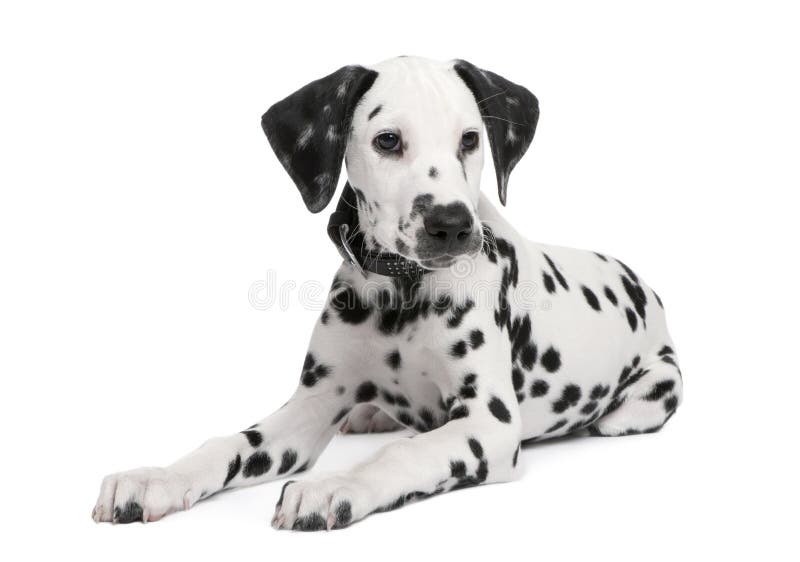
510,113
309,129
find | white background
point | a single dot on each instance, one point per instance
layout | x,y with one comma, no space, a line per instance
140,202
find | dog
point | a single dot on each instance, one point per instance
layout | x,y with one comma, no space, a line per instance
441,318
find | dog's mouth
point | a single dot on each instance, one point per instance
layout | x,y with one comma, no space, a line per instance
440,262
444,260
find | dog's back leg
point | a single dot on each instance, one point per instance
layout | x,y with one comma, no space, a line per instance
647,394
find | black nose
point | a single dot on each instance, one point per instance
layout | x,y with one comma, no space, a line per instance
450,224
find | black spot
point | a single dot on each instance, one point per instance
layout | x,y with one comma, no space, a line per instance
551,360
499,410
517,378
340,390
660,390
601,256
467,391
442,304
482,471
637,296
460,411
393,359
539,388
324,317
405,418
340,416
253,437
374,112
519,334
558,425
516,456
599,391
433,172
312,371
343,514
366,391
528,356
510,277
658,299
549,284
666,350
258,464
458,469
591,298
233,469
570,396
610,295
458,313
402,401
476,339
668,359
427,417
556,272
310,522
388,397
459,349
670,404
476,447
350,307
589,407
129,513
632,322
287,461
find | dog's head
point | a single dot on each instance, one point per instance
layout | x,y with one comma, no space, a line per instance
410,133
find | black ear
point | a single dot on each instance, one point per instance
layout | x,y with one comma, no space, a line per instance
309,129
510,113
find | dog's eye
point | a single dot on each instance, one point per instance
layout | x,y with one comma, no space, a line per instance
387,142
469,140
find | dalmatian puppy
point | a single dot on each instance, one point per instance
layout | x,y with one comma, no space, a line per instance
442,318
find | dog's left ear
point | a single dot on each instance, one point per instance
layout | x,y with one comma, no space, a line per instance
309,129
510,113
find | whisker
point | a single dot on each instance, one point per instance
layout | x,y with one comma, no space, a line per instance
500,93
502,119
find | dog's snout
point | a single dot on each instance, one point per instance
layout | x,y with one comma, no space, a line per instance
450,224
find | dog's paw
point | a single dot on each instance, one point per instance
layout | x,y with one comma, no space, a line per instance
328,503
144,494
369,419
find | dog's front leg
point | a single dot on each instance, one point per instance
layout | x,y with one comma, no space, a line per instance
479,444
288,441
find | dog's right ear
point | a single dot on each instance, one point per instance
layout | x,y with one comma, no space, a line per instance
309,129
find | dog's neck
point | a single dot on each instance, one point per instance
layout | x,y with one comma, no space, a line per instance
344,232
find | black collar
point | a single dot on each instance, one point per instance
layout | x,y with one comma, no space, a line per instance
344,233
